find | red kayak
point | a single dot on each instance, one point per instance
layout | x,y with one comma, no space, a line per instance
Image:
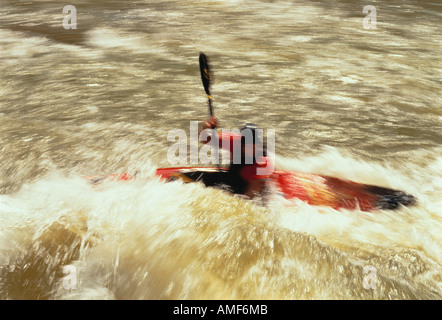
313,189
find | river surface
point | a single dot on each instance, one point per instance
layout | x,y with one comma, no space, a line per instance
347,96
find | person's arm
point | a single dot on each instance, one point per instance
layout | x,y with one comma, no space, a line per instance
227,140
209,123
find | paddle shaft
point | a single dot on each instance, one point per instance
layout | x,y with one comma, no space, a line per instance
206,77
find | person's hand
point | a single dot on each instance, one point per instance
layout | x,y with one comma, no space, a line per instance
211,123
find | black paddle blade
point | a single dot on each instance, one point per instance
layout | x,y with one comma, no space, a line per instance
206,75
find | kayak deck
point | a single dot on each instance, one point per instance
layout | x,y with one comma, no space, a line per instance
313,189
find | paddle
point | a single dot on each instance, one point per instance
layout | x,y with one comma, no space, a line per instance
206,77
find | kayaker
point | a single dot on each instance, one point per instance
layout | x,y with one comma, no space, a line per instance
248,155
